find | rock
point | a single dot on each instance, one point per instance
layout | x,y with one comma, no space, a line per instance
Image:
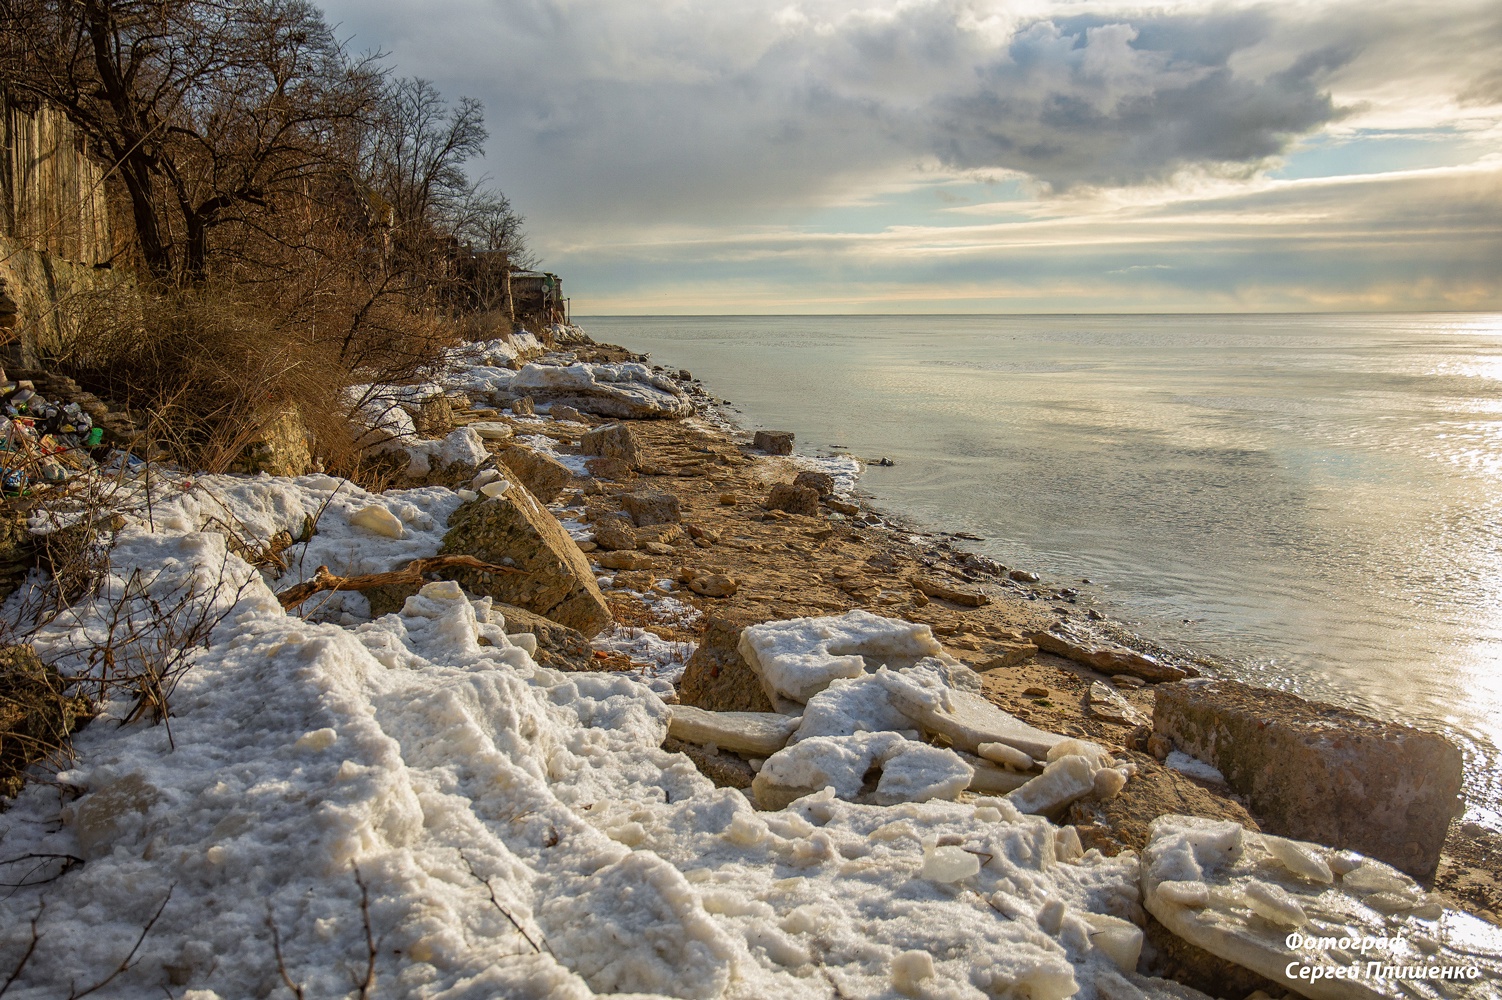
516,529
724,769
560,412
1234,894
558,646
773,442
1036,692
651,507
280,447
1159,746
842,506
717,677
1127,680
1107,703
608,468
612,441
754,734
1107,658
37,715
970,597
614,532
714,585
1023,576
968,720
1061,782
902,769
794,499
798,658
543,475
434,417
625,390
378,520
657,548
491,430
624,559
524,407
821,483
1122,822
669,534
1317,772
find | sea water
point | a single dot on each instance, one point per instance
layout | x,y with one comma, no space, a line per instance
1315,500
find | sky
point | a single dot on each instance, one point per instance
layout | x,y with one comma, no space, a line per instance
918,156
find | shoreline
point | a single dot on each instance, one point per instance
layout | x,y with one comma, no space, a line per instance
1464,874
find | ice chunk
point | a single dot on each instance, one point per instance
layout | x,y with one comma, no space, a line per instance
909,771
1006,755
851,705
1109,782
495,488
491,430
1118,939
758,733
798,658
964,719
1298,859
948,864
1249,907
1093,752
379,520
1193,767
909,969
992,780
1061,782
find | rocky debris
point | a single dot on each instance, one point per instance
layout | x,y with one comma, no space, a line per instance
1107,658
726,770
558,646
37,715
1105,702
716,676
881,768
844,507
756,734
1283,907
614,532
625,391
773,442
797,658
543,475
1318,772
970,597
627,559
821,483
616,440
523,406
651,507
515,529
794,499
1122,821
713,585
617,469
433,417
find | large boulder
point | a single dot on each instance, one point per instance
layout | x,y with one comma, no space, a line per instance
773,442
513,528
622,390
794,499
612,441
651,507
543,475
1319,772
717,677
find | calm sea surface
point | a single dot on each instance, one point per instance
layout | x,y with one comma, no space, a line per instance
1316,500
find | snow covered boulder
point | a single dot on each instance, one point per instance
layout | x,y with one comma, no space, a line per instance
1320,772
624,390
513,528
1329,924
798,658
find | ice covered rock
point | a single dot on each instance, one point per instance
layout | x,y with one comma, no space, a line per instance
1277,908
757,734
515,529
378,520
964,718
1061,782
626,390
798,658
909,771
1318,772
462,448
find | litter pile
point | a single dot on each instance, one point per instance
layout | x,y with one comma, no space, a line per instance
42,441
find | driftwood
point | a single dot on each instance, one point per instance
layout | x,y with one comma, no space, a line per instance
411,573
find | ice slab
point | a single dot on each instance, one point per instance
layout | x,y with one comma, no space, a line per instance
965,719
757,734
798,658
1061,782
1282,909
908,771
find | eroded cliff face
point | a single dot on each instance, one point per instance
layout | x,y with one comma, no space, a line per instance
56,241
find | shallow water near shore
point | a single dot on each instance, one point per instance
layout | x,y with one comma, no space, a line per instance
1315,500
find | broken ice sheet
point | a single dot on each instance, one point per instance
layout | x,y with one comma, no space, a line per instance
798,658
1279,907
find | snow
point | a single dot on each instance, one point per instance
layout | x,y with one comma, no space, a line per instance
1193,767
620,389
472,789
